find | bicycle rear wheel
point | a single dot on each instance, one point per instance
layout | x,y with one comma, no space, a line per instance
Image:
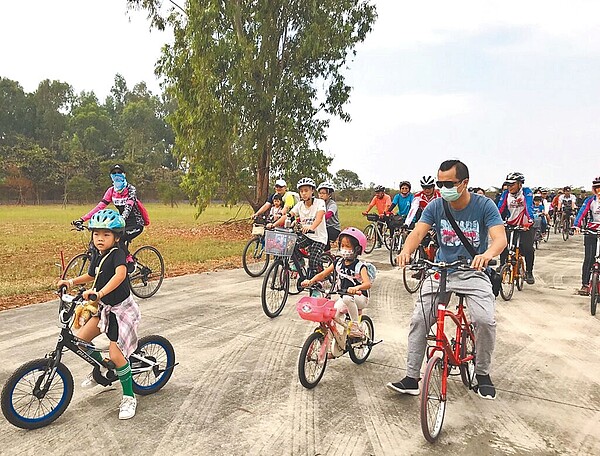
413,279
275,288
507,288
78,265
254,258
433,401
594,292
371,236
311,366
149,272
360,351
158,350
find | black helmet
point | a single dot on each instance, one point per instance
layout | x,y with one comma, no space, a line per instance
403,183
379,188
117,168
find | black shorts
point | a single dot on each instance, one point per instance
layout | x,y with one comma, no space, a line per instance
113,328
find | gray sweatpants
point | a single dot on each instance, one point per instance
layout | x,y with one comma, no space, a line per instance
480,303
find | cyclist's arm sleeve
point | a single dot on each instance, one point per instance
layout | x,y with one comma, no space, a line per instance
585,207
106,199
414,207
131,200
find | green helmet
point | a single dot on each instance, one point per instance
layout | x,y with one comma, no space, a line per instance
107,219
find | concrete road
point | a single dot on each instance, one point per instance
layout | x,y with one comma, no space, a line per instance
236,390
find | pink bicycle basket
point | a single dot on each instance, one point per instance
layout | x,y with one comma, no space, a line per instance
316,309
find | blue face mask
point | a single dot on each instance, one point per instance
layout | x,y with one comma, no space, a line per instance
450,194
119,181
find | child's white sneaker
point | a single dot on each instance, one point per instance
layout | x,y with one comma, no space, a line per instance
127,407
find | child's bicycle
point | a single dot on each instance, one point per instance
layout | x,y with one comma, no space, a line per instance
287,267
146,278
330,339
39,391
254,258
446,354
595,272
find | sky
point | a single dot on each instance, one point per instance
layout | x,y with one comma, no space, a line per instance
501,85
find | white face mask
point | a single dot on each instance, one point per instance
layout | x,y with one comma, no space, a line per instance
346,254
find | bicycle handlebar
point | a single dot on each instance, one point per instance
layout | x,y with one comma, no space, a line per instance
462,264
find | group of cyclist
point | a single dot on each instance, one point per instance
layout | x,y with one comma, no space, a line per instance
454,211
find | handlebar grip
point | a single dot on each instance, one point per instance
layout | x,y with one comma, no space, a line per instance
492,263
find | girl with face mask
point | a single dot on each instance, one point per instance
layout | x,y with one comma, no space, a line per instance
123,195
352,275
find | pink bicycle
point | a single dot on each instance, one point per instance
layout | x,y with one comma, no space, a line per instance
330,339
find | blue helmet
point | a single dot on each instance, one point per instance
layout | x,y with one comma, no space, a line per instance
107,219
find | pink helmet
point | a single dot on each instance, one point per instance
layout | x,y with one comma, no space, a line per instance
356,234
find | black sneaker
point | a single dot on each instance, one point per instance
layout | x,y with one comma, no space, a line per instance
485,388
529,278
407,385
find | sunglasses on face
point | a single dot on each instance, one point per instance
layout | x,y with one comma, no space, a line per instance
116,172
447,184
427,187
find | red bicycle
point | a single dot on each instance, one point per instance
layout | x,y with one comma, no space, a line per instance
595,273
445,354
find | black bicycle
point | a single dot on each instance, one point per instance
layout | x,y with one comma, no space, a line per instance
145,280
39,391
287,267
254,258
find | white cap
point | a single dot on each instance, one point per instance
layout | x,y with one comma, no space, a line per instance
280,183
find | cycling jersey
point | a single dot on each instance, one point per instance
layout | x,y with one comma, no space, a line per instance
126,203
517,209
420,202
564,200
403,203
382,204
591,209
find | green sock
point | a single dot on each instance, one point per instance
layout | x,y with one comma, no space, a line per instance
124,373
95,354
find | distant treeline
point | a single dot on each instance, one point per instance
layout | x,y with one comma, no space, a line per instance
56,145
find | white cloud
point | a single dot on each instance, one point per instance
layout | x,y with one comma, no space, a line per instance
378,114
551,24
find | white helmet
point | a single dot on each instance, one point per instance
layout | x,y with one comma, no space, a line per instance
427,181
327,185
514,177
306,181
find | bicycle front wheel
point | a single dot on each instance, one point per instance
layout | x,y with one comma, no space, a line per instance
26,410
371,236
275,288
395,248
413,279
387,239
77,266
594,295
312,360
149,272
433,400
254,258
467,348
360,351
507,287
521,277
565,231
547,234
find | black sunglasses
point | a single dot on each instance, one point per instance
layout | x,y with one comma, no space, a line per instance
447,184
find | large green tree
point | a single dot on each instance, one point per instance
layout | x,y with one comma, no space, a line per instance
255,83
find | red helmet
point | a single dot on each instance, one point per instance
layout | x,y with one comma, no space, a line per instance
356,234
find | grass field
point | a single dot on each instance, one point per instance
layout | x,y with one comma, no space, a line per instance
33,237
